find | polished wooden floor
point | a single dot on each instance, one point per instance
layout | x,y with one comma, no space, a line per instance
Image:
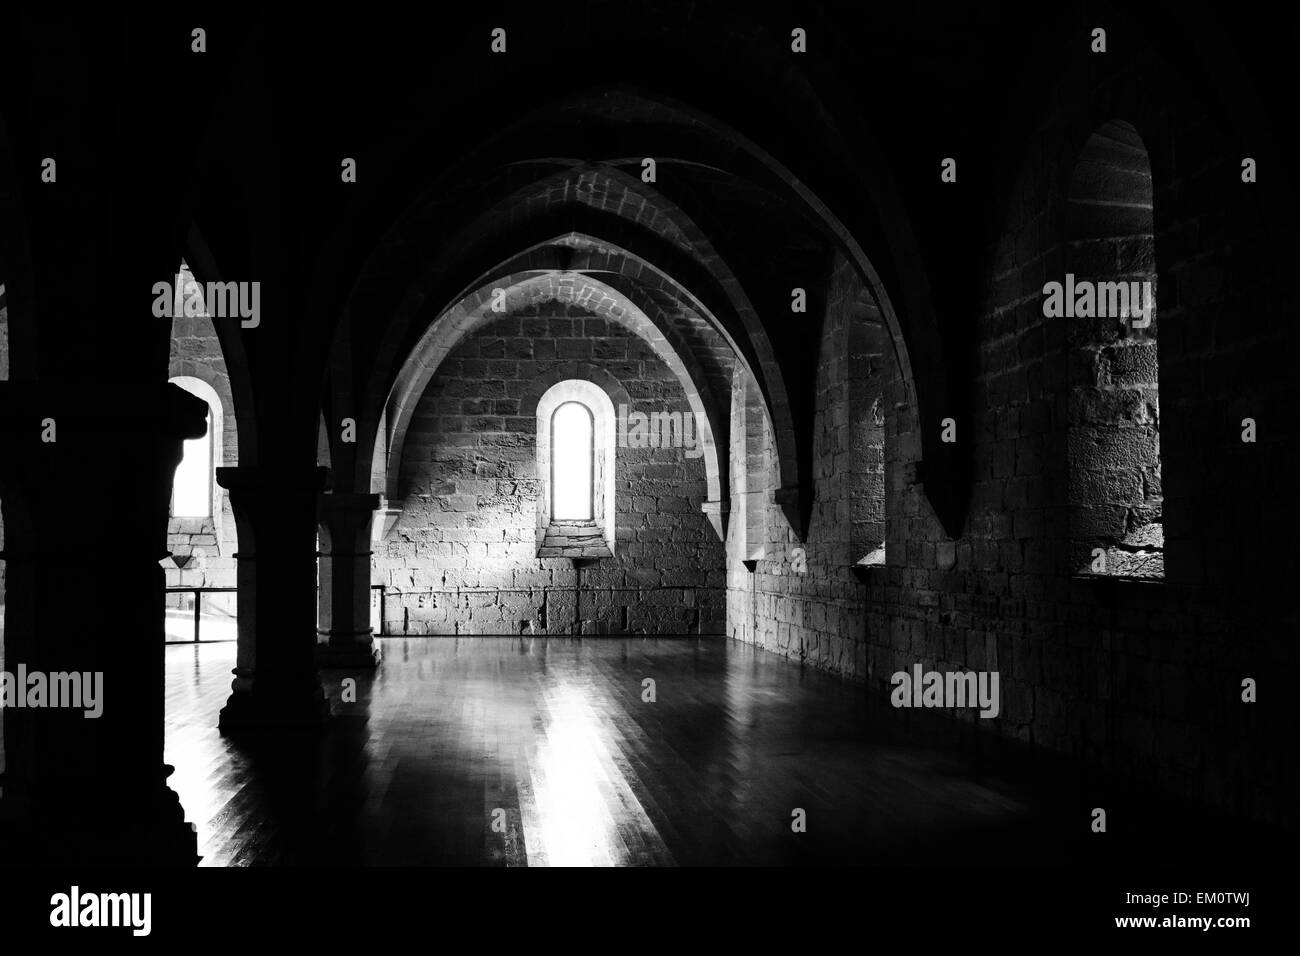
555,734
550,738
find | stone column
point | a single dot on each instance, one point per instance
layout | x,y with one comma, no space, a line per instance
84,781
276,683
347,521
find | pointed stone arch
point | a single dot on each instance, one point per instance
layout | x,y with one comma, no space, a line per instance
476,310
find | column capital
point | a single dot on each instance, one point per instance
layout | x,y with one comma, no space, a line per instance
335,502
256,478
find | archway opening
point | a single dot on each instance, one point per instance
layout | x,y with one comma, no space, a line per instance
552,481
1108,300
200,571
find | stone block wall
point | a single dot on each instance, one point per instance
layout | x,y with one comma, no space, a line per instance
462,558
1140,677
803,600
4,375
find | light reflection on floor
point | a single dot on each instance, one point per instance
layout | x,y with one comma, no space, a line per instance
542,751
574,785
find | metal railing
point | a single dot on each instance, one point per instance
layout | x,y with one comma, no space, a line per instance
198,593
377,619
376,610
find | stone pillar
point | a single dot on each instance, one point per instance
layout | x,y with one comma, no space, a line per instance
276,683
347,521
84,781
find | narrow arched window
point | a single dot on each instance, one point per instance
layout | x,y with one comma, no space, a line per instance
4,336
192,486
572,463
1108,299
576,441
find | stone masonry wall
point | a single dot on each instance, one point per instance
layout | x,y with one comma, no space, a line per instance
1140,678
4,375
462,557
804,600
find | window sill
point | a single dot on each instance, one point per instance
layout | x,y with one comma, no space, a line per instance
1126,578
583,540
186,526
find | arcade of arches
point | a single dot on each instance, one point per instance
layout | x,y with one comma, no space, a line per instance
783,415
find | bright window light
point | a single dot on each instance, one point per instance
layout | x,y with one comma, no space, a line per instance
571,472
192,488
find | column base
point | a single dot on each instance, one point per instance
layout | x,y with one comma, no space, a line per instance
134,835
260,709
363,652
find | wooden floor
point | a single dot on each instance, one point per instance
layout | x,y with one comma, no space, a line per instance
551,739
541,751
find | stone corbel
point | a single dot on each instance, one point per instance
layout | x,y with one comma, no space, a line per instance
718,513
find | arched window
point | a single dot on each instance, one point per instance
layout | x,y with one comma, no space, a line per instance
749,469
576,441
871,368
194,485
1108,299
4,335
572,474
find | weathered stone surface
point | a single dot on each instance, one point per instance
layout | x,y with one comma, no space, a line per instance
470,468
